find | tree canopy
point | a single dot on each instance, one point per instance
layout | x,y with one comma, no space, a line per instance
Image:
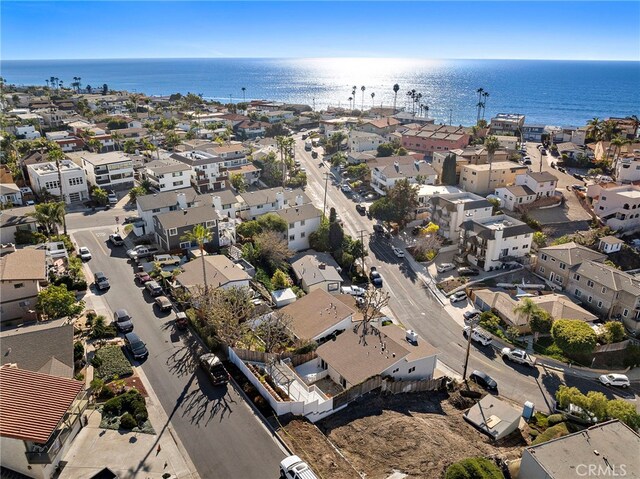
398,205
574,337
57,302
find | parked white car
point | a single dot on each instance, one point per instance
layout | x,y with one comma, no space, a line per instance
478,334
444,267
518,356
352,290
84,253
293,467
398,252
618,380
459,296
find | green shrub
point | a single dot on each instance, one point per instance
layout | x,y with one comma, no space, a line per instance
113,406
541,420
534,433
574,336
112,362
78,351
555,419
127,421
553,432
474,468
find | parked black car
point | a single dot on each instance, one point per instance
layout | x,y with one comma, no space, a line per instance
375,277
484,380
135,346
123,321
361,209
464,271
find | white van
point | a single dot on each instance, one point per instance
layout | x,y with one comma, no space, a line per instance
293,467
479,335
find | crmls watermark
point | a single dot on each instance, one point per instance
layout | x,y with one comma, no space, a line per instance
601,470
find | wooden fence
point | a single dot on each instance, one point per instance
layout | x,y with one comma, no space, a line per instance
355,392
387,385
261,357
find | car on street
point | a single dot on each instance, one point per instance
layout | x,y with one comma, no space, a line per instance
578,176
518,356
123,321
617,380
113,198
142,277
115,239
526,160
353,290
214,368
483,379
163,303
469,315
457,297
361,209
465,271
101,281
375,277
478,335
397,251
84,253
135,346
293,467
543,151
370,196
345,188
578,187
153,288
444,267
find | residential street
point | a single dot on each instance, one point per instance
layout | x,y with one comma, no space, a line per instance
417,308
219,430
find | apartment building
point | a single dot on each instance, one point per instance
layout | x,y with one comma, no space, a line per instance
433,138
619,207
449,211
302,220
507,124
554,263
360,141
109,171
486,178
386,171
471,155
167,175
492,242
44,176
207,172
627,168
252,204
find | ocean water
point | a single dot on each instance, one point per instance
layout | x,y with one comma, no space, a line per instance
549,92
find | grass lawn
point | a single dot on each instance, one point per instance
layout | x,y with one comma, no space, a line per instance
110,362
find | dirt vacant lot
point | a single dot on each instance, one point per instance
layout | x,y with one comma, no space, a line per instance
417,434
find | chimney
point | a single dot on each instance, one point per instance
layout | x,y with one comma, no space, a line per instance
182,200
299,200
279,200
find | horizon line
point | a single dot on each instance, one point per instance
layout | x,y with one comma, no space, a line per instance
324,58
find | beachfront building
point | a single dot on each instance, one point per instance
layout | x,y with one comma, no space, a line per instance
44,176
386,171
167,175
485,179
109,171
507,124
494,241
533,133
433,138
449,211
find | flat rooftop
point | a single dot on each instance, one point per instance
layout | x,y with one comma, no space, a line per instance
499,222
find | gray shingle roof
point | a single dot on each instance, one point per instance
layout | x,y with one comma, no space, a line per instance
572,253
189,217
299,213
306,267
164,199
262,197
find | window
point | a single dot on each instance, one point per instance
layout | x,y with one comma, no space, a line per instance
563,266
176,174
18,285
411,369
541,269
604,290
52,185
155,210
302,222
185,245
590,283
211,224
553,260
525,246
625,313
172,231
589,299
514,248
292,225
292,237
76,181
576,277
343,382
599,304
303,234
395,370
543,257
578,293
603,198
178,183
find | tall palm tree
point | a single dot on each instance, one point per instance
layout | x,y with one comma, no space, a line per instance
594,129
350,100
56,154
48,216
201,235
527,308
636,124
426,111
485,95
362,88
47,81
609,129
396,89
492,145
479,91
408,100
372,97
617,143
244,98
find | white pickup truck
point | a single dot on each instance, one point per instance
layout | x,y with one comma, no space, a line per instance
518,356
141,251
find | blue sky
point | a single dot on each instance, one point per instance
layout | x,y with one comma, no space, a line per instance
527,30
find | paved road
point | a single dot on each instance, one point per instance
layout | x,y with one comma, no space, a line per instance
218,429
416,307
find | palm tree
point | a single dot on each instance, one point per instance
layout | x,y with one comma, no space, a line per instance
479,91
485,95
372,97
492,144
362,88
527,308
609,128
244,98
636,124
200,234
594,129
49,215
396,89
617,143
56,154
350,99
426,111
47,81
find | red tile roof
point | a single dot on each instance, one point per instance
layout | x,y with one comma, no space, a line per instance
33,404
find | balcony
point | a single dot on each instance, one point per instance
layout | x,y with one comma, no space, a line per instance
101,181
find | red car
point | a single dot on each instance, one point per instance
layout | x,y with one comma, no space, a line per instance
143,277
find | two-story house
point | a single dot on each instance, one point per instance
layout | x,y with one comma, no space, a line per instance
302,220
449,211
492,242
44,176
542,184
360,141
471,155
252,204
167,175
380,126
554,263
109,171
13,220
627,167
486,178
10,194
533,133
618,207
23,274
386,171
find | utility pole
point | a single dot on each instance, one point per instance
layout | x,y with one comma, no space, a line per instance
362,253
324,205
466,358
450,116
